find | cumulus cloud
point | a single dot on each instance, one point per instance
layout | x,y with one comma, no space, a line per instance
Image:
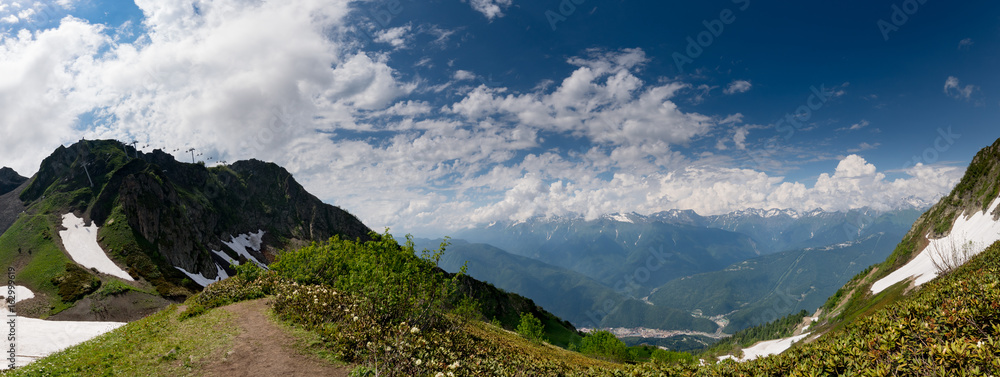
490,8
463,75
954,89
601,100
396,37
300,93
738,86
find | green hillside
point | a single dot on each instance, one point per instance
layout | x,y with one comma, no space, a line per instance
950,326
977,188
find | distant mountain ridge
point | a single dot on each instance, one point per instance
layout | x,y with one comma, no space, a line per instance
769,262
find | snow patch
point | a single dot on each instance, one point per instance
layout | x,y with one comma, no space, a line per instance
36,338
767,348
252,241
204,281
21,293
81,243
620,217
979,229
226,257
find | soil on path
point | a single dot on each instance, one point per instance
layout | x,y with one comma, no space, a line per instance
264,349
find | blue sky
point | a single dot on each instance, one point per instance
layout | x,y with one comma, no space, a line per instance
429,116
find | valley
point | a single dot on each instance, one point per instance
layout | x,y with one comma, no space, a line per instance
695,284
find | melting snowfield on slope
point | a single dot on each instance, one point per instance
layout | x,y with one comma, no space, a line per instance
240,244
36,338
980,229
252,241
204,281
767,348
81,243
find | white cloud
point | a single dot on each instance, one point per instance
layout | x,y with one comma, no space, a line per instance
397,37
965,44
299,94
490,8
954,89
601,100
462,75
854,184
48,80
738,86
740,137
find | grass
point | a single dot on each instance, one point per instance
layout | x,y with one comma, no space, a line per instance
114,287
158,345
30,246
526,349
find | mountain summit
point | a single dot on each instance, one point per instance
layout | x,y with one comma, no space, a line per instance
10,180
171,225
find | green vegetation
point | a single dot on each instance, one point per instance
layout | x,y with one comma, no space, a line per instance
114,287
30,246
531,328
376,304
671,357
158,345
949,326
75,283
604,345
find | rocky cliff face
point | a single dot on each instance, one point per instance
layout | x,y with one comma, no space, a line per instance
180,212
10,205
10,180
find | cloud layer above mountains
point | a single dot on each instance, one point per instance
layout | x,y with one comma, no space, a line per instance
305,93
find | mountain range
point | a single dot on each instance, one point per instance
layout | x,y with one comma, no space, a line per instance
633,271
172,226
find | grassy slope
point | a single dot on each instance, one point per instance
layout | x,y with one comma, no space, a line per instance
977,188
952,324
158,345
30,247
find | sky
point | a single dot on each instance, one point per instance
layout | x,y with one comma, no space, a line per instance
432,116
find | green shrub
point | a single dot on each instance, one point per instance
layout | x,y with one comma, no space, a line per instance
531,328
75,283
671,357
604,345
